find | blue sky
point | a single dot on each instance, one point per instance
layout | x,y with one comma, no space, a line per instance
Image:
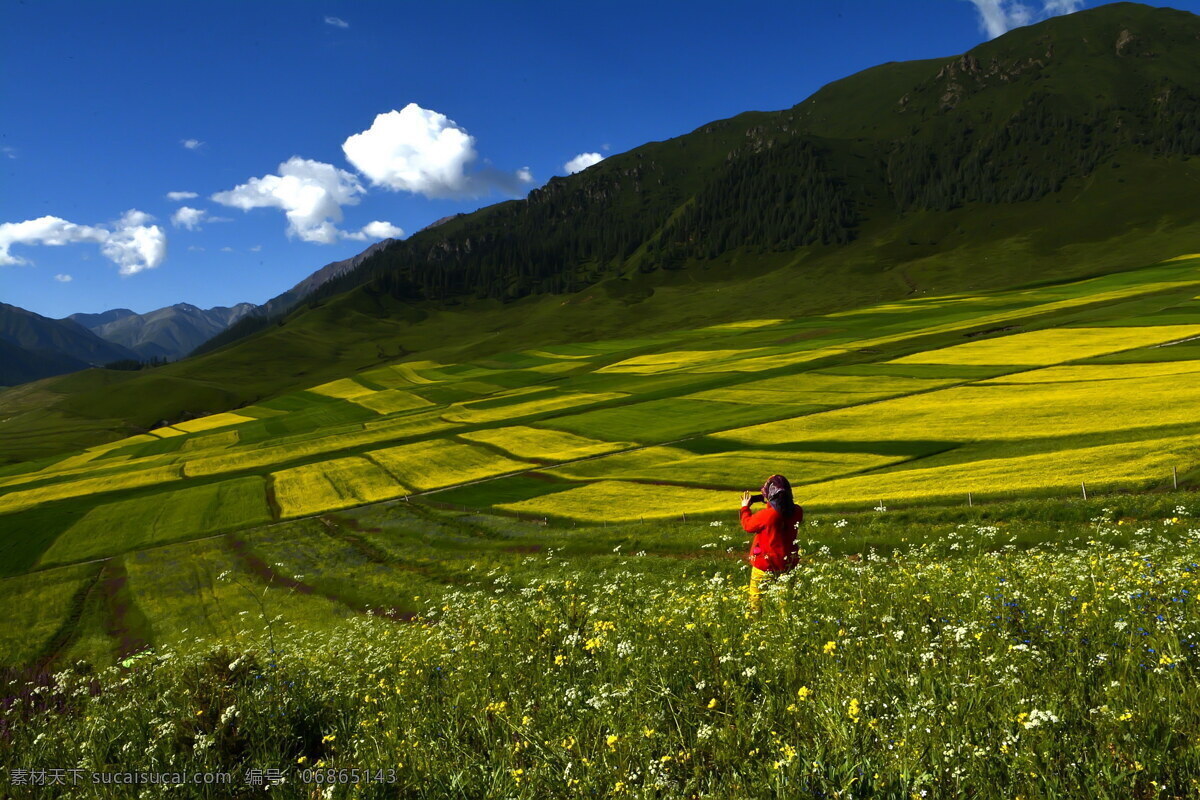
282,116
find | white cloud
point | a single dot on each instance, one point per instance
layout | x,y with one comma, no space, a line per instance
134,245
192,144
11,152
226,249
131,243
379,230
1000,16
257,248
195,248
524,175
193,218
61,278
310,193
582,162
337,22
424,152
413,150
175,197
187,217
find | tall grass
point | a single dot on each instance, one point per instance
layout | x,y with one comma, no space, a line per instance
970,666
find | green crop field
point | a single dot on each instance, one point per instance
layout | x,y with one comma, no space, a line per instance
456,645
162,517
441,508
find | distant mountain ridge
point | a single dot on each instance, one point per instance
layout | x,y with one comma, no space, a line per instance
166,333
39,347
279,306
282,302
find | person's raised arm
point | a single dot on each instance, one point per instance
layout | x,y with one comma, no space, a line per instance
751,522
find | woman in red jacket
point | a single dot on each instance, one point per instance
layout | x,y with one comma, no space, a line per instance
775,548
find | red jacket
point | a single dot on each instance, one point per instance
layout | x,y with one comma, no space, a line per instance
774,548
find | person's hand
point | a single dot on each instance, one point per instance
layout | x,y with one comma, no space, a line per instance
746,498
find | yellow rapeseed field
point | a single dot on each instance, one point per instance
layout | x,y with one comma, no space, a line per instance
746,324
391,401
376,432
1052,346
344,389
1103,375
167,432
617,501
551,354
221,439
331,485
1124,465
738,469
409,371
769,361
995,412
817,388
526,442
212,421
29,498
141,438
550,402
435,464
673,360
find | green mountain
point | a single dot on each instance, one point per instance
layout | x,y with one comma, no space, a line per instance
1059,150
19,365
50,346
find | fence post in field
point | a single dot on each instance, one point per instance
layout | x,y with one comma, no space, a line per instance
970,501
1083,486
1174,477
685,517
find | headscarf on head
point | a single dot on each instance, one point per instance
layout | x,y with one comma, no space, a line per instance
778,492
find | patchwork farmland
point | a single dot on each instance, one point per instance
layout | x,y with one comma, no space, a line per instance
413,490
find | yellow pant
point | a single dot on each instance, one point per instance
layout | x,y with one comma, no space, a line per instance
758,579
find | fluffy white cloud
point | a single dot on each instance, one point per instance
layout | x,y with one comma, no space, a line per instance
337,22
53,231
582,162
1000,16
131,243
187,217
425,152
414,150
374,230
61,278
175,197
310,193
193,218
191,144
382,230
134,245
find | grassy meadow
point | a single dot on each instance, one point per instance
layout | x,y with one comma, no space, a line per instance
519,575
